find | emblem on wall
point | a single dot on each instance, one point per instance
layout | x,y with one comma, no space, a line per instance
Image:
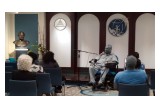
117,27
60,24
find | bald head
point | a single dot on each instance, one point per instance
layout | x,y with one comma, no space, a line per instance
131,62
108,49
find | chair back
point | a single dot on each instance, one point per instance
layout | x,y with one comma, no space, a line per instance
22,88
14,65
55,75
133,90
9,68
8,76
152,80
113,70
43,83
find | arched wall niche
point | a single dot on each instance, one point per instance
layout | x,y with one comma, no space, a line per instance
145,39
119,44
88,39
60,40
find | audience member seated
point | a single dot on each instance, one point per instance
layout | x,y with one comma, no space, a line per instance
24,63
35,67
48,61
101,65
139,64
131,75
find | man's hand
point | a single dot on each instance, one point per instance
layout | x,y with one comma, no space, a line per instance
95,60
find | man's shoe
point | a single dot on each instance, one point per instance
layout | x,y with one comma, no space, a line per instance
90,84
94,87
100,85
58,91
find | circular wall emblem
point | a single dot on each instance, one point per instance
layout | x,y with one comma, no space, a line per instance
117,27
60,24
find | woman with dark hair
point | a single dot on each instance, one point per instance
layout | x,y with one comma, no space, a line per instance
139,64
35,67
136,54
48,60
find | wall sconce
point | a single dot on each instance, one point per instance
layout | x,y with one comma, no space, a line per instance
60,24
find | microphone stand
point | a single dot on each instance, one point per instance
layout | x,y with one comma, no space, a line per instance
79,58
78,64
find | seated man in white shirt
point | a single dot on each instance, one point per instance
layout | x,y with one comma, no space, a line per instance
102,64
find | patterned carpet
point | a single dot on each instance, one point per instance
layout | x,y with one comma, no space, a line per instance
74,90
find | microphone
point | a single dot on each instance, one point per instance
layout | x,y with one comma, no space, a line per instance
94,60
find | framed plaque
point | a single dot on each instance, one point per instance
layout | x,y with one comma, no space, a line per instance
117,27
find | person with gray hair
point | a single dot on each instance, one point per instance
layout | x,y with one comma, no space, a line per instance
101,65
24,64
131,75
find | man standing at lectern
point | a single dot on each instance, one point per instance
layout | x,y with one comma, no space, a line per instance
21,42
101,64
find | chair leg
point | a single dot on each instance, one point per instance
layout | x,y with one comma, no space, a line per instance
63,90
154,92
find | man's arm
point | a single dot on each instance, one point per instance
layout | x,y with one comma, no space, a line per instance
93,61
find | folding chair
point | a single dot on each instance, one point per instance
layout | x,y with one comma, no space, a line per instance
133,90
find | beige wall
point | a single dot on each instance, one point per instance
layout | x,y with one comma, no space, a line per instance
9,34
145,39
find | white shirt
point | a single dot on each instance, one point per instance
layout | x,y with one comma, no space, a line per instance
103,59
36,68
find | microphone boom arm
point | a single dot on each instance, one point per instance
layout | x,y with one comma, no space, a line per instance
86,52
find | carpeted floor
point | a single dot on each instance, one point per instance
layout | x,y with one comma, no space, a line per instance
74,90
